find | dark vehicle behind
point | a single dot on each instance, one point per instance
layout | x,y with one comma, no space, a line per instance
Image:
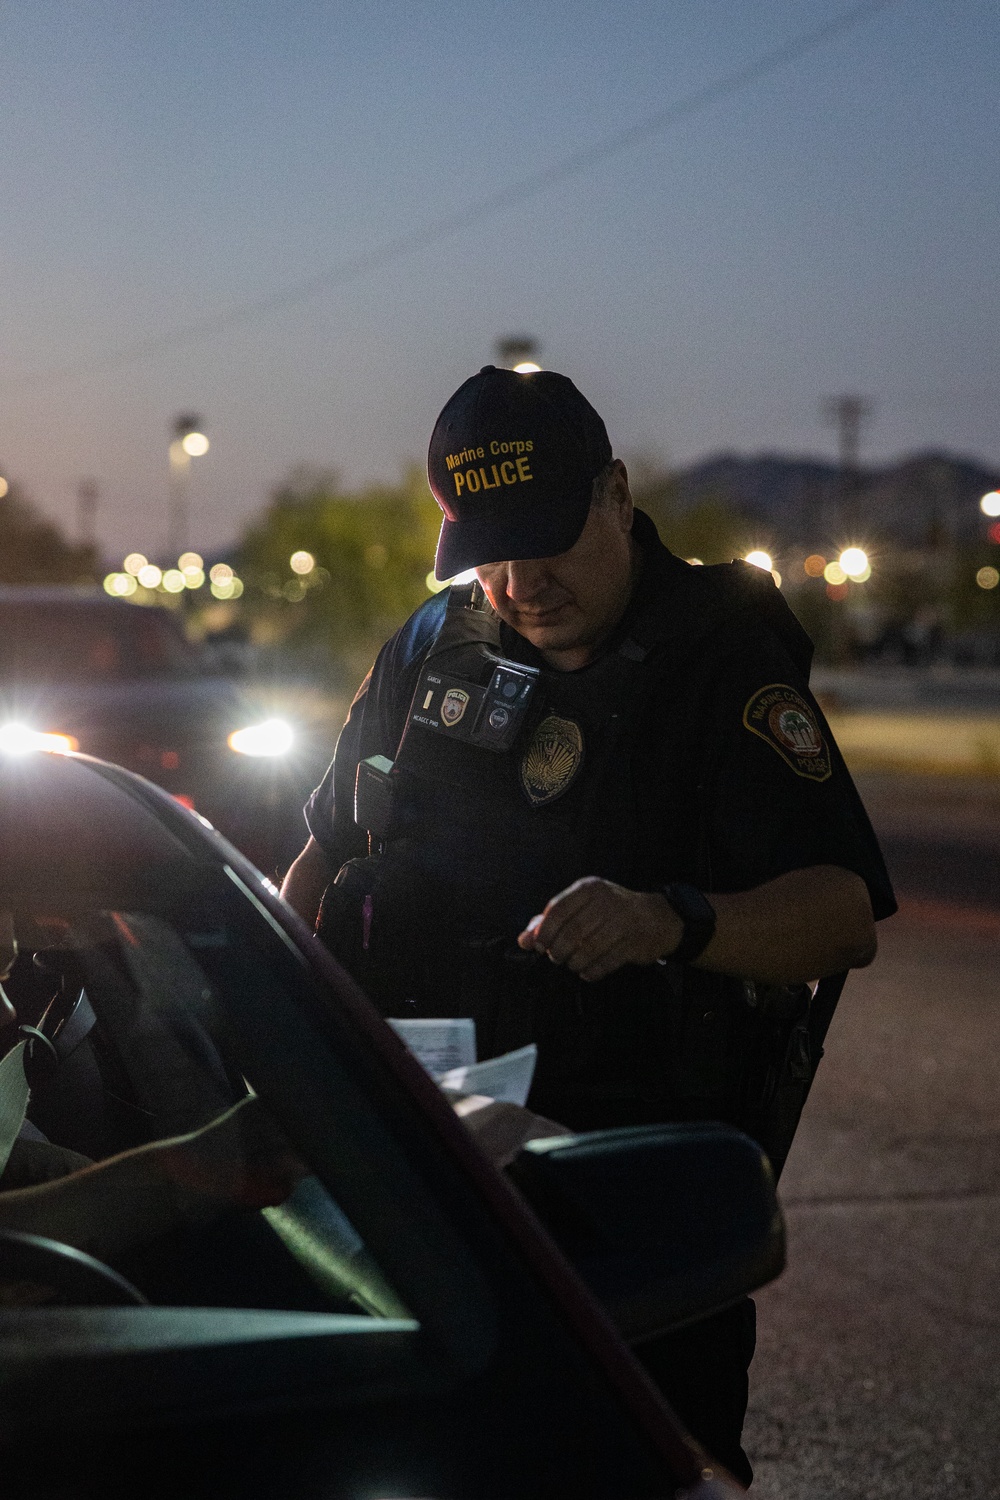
122,682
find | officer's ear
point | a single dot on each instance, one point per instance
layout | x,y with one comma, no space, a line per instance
617,495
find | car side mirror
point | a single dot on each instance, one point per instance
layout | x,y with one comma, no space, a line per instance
665,1223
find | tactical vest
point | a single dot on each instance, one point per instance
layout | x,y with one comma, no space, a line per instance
510,782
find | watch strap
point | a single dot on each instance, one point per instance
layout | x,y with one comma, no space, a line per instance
698,916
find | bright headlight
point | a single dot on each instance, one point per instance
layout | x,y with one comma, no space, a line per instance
273,737
18,739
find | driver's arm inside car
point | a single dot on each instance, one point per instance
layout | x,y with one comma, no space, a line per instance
239,1160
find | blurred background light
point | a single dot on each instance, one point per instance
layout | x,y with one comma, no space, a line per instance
4,487
195,444
814,565
134,563
190,561
695,562
120,585
987,578
854,562
834,574
194,578
227,588
174,581
527,368
150,576
220,573
302,562
990,504
760,560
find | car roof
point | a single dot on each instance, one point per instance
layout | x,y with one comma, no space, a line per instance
77,829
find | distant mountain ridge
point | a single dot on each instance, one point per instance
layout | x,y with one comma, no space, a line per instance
923,500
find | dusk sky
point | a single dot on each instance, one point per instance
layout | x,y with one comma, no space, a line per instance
830,225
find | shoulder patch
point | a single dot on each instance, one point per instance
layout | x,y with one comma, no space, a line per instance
782,717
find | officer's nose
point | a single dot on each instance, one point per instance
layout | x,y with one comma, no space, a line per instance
526,580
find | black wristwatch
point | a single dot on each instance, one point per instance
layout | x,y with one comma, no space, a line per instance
698,915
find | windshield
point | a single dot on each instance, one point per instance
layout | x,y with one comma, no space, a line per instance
80,642
198,1198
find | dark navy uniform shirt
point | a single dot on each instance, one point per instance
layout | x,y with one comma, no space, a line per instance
736,773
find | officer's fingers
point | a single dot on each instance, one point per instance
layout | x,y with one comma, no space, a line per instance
607,929
580,938
529,937
613,957
544,930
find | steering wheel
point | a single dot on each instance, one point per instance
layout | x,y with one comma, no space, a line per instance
57,1275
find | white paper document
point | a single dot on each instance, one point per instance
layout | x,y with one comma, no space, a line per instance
506,1078
447,1049
439,1044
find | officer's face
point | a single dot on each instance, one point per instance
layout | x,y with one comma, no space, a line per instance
567,606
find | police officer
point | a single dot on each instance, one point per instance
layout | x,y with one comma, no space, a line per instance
590,802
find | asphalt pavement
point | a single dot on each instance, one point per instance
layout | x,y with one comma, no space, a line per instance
878,1364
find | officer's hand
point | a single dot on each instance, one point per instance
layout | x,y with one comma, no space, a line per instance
595,926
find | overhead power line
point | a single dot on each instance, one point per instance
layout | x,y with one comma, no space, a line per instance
390,251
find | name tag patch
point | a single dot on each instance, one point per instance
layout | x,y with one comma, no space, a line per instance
782,717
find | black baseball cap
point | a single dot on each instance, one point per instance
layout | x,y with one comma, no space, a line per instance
512,462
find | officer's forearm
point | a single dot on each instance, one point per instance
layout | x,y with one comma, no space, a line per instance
803,925
306,880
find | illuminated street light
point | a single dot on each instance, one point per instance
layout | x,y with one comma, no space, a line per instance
834,574
854,563
517,352
760,560
814,565
4,487
150,576
987,578
188,442
134,563
120,585
990,504
302,562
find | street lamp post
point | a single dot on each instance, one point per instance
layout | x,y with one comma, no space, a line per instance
188,441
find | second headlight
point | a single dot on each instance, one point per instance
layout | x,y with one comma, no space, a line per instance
273,737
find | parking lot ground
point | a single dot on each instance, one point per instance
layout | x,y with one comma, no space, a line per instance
878,1364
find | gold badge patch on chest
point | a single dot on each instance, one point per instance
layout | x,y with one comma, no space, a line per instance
782,717
552,759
